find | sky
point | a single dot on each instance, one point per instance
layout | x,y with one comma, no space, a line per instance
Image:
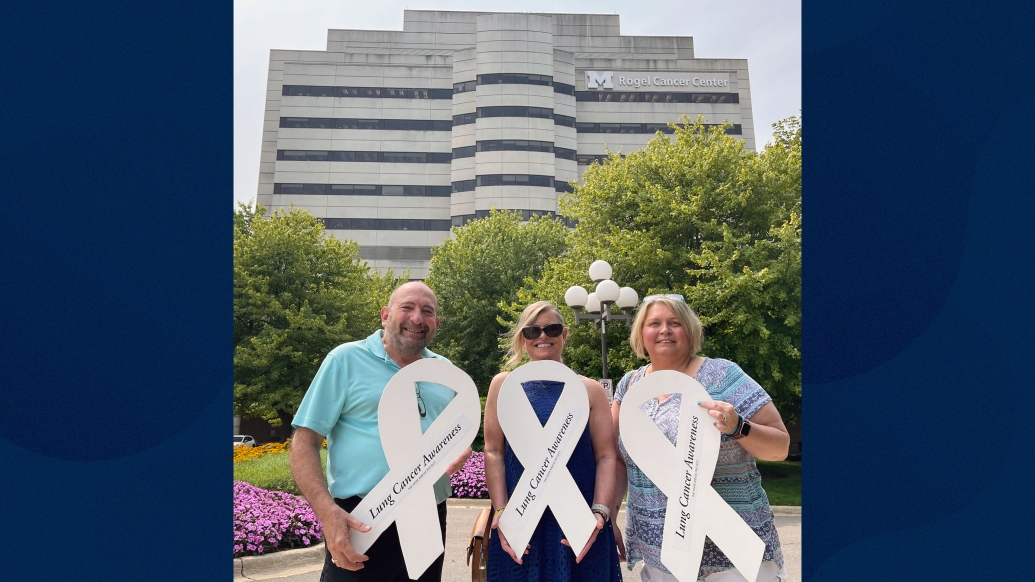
765,32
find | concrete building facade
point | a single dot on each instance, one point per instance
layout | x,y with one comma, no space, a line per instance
393,137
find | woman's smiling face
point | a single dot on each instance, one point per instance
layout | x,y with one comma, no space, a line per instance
544,347
663,334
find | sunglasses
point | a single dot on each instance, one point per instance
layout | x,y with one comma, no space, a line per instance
672,296
532,331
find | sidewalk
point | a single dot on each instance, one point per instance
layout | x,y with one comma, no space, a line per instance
304,565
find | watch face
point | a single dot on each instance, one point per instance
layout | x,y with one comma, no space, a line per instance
747,428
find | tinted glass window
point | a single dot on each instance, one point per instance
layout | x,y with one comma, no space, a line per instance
564,120
364,190
294,121
337,223
364,224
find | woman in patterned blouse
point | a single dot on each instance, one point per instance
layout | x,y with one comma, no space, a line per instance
668,332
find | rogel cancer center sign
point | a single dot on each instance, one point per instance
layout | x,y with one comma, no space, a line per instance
669,81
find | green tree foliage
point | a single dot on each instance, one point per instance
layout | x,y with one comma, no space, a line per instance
298,293
699,215
486,264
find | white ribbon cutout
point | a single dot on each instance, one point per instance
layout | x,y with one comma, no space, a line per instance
684,475
544,452
416,461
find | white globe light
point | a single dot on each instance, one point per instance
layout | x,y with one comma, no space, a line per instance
607,291
599,271
627,298
593,304
576,296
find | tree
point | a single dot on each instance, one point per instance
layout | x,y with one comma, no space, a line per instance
695,214
486,264
298,293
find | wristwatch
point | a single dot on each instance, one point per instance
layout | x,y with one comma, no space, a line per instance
744,430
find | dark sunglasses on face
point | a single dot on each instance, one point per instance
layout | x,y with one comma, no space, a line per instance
532,331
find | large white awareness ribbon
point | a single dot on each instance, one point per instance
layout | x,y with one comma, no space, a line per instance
544,452
684,475
406,495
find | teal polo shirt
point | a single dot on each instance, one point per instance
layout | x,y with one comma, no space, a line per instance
341,404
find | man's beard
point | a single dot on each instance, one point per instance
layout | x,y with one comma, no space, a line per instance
405,345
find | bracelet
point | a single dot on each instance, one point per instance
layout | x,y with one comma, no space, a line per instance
603,510
499,510
736,431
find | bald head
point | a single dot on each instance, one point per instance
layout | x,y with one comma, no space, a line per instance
406,289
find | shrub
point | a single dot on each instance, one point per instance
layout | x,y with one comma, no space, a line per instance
266,521
267,472
250,453
469,482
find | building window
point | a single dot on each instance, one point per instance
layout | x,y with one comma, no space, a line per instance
384,224
464,118
564,153
464,186
655,97
515,111
515,180
464,152
561,186
352,123
563,88
361,190
581,127
354,156
564,120
464,87
517,145
515,79
370,92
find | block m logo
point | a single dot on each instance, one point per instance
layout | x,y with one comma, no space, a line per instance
595,80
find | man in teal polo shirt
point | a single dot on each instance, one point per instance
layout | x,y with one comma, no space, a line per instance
341,405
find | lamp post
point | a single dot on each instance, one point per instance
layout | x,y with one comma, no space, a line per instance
598,304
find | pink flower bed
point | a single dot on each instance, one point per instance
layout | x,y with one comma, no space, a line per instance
469,482
266,521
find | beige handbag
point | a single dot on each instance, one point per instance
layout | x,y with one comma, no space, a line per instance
478,546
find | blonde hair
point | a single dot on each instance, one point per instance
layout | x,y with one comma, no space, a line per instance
685,315
516,351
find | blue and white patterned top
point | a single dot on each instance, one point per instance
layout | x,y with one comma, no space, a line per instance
736,477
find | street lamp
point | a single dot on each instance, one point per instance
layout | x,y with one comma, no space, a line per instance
598,304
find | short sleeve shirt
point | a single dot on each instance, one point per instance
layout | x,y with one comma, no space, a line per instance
736,477
341,404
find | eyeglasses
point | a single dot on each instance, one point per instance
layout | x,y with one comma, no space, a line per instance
532,331
673,296
421,408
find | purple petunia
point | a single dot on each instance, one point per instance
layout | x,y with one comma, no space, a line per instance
266,521
469,481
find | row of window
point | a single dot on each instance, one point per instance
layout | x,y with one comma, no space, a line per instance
470,185
361,190
375,92
514,111
655,97
514,79
580,127
587,159
463,219
352,156
384,224
517,145
396,124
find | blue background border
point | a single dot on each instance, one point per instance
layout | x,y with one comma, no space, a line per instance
115,345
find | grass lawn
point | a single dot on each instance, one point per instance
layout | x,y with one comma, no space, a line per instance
781,481
271,472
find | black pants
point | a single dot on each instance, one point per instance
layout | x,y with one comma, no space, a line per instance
385,563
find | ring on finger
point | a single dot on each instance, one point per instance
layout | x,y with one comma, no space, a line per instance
333,561
724,419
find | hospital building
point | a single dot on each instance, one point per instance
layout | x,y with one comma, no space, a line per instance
392,137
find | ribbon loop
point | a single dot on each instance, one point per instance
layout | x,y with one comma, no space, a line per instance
416,460
684,474
544,452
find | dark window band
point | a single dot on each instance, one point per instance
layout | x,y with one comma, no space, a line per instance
565,120
515,145
515,79
464,118
383,224
350,123
563,88
464,152
351,156
502,78
515,111
655,97
587,159
373,92
464,186
464,87
361,190
463,219
564,153
561,186
515,180
580,127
